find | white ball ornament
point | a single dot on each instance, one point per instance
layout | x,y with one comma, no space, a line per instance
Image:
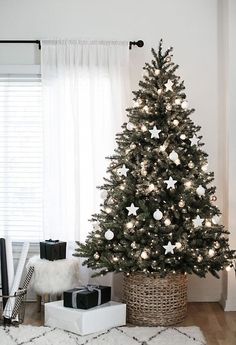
109,235
144,255
178,245
167,221
211,253
200,190
178,101
191,165
175,122
173,156
157,214
104,194
96,256
130,126
184,105
215,219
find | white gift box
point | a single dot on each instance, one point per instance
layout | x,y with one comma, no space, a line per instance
87,321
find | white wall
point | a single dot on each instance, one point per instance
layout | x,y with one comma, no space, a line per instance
191,26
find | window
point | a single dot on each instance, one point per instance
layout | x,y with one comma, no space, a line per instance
21,158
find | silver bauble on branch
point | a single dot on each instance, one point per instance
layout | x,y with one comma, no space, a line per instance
157,214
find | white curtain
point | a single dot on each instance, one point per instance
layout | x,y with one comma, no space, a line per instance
85,93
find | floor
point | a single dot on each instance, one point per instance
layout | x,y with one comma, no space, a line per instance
218,327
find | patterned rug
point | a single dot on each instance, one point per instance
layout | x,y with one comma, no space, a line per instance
29,335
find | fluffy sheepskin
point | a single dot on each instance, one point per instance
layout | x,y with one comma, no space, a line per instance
54,277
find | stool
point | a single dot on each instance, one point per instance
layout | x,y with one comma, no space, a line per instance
53,277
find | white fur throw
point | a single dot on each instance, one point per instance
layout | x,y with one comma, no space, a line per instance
54,277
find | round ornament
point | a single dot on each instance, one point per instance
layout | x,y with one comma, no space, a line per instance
191,165
157,214
96,256
200,190
213,198
104,194
178,245
144,255
173,156
175,122
130,126
178,101
167,222
181,203
109,235
184,105
215,219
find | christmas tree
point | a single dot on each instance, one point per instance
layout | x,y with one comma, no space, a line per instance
158,213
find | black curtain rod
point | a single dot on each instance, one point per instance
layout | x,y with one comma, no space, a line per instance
22,41
138,43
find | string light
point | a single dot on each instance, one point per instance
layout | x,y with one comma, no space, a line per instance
205,167
122,187
146,109
208,223
183,137
108,210
143,128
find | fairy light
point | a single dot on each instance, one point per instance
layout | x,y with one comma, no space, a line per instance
175,122
108,210
145,108
167,221
177,161
178,245
208,223
143,128
122,187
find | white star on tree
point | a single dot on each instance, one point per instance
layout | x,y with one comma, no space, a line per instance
155,132
132,210
169,248
170,183
169,85
197,221
122,171
194,140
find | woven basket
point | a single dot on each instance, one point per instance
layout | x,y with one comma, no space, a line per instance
155,301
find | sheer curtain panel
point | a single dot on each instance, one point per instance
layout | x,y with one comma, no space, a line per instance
85,90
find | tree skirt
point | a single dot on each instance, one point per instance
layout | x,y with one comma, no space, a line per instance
29,335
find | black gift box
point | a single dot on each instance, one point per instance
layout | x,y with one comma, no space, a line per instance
52,250
87,297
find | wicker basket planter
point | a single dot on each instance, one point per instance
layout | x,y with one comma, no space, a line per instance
155,301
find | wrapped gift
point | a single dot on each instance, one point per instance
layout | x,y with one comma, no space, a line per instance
101,318
86,297
52,250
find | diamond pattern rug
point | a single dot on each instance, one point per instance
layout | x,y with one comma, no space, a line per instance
31,335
